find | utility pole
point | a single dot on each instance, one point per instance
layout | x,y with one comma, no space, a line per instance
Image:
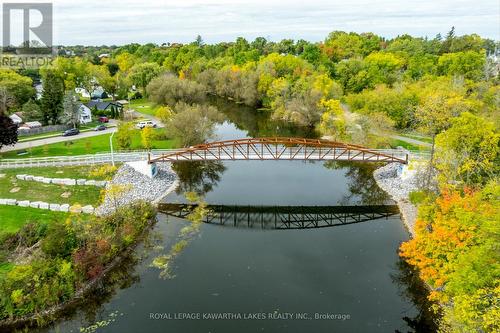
111,146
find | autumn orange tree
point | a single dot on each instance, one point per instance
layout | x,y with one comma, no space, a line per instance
455,249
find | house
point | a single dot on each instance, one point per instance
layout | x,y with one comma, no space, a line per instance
32,124
16,119
39,90
85,114
105,107
99,93
82,92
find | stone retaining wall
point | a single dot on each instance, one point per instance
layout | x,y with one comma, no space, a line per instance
48,206
63,181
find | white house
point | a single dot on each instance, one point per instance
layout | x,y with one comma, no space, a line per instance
16,119
85,114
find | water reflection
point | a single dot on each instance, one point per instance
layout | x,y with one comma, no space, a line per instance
257,123
361,183
282,217
412,288
198,177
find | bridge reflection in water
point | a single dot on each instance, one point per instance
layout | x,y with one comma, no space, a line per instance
283,217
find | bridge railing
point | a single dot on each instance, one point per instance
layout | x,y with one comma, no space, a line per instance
137,155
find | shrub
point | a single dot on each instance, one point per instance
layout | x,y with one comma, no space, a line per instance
417,197
59,241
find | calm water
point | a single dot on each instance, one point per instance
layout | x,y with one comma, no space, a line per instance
351,271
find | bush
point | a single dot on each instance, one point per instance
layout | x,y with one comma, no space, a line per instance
417,197
59,241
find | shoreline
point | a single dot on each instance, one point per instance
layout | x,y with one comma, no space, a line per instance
50,315
388,179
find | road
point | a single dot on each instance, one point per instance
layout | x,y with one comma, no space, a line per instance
56,139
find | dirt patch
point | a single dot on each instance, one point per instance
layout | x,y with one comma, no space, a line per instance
15,190
2,175
60,171
65,194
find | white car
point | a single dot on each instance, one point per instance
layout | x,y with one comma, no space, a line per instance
146,123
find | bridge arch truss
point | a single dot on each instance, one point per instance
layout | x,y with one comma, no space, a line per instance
282,148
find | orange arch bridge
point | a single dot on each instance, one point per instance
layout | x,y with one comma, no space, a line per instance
280,148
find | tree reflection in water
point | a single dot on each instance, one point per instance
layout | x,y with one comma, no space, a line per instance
198,177
412,288
361,183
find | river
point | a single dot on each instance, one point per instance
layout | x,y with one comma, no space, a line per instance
339,278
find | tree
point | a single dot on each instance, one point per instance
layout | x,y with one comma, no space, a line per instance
469,64
455,250
20,87
31,111
333,123
147,136
433,116
169,89
8,131
142,73
124,135
71,110
164,113
192,124
468,152
52,97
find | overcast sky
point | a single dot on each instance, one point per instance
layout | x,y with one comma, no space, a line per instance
92,22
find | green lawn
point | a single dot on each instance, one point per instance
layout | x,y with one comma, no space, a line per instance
92,145
14,217
409,146
143,106
74,172
418,137
13,188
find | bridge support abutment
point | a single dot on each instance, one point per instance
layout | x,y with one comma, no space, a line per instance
144,167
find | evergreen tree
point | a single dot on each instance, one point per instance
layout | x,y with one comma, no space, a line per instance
52,97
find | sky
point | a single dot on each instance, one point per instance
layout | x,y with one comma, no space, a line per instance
92,22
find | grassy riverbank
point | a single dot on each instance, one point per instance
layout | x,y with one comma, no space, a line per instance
64,255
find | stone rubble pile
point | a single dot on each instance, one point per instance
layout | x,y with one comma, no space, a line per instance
63,181
398,186
49,206
141,187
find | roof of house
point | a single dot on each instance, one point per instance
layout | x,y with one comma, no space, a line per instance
101,105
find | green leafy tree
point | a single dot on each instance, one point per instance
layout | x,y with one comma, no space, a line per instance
20,87
147,136
142,74
52,97
192,124
31,111
124,135
468,152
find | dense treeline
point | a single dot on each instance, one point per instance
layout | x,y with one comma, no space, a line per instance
350,87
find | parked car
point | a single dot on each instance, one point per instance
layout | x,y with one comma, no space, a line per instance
100,128
146,123
71,131
103,119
